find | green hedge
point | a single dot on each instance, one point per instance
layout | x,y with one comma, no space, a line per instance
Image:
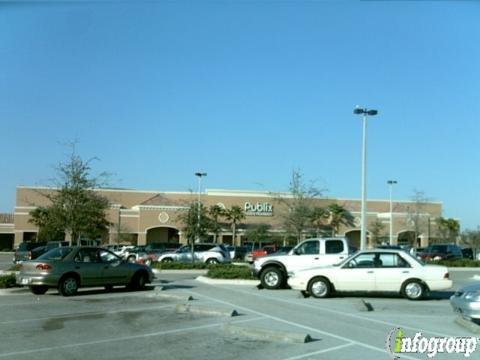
7,281
230,272
181,266
456,263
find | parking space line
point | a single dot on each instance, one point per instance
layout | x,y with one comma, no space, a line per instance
124,338
87,313
348,314
301,326
321,351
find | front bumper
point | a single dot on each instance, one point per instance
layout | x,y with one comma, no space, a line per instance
467,308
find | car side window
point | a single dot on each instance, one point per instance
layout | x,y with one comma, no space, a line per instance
107,256
362,261
86,256
309,248
334,246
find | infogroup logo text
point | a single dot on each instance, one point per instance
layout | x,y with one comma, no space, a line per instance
397,343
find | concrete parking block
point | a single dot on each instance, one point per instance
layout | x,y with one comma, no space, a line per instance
171,296
182,308
267,334
467,324
362,305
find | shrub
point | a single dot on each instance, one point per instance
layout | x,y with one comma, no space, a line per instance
180,266
456,263
7,281
230,272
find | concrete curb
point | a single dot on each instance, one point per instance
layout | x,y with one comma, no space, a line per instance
206,280
467,324
14,291
182,308
267,334
464,269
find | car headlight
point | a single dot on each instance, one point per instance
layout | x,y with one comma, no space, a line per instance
472,295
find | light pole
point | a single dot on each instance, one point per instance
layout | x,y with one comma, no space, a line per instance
391,183
199,175
365,112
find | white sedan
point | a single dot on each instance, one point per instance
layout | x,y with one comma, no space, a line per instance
373,271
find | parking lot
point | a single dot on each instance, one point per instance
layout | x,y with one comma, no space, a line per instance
155,324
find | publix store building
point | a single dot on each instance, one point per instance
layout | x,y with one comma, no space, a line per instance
145,217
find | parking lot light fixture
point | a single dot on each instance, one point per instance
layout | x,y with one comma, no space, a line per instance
391,183
199,175
365,112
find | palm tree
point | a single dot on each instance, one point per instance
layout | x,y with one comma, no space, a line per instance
319,216
338,215
234,215
215,213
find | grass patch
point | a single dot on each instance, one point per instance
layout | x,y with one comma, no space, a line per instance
230,272
7,281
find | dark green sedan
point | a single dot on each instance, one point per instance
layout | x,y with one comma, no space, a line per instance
69,268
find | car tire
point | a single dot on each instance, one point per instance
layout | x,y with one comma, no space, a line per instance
319,287
138,282
212,261
272,278
414,290
38,289
68,285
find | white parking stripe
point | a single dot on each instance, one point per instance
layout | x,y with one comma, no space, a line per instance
124,338
321,351
291,323
342,313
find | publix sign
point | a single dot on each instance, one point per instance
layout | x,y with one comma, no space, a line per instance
258,209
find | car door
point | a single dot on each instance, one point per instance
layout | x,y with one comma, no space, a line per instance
358,274
114,270
88,266
306,255
391,271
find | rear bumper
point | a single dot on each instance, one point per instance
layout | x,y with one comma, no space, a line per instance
29,280
436,285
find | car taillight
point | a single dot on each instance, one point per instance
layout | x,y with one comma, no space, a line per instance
44,267
446,276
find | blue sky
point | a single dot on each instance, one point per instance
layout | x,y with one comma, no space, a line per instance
246,91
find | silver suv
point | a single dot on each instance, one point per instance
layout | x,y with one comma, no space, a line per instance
207,253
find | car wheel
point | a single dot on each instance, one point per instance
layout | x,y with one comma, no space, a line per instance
212,261
319,287
167,260
38,289
68,286
413,290
272,278
138,282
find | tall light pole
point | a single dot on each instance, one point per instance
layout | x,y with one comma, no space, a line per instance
363,234
199,175
391,183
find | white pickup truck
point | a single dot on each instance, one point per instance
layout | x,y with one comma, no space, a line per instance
273,270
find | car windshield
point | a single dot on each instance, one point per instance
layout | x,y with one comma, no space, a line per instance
56,254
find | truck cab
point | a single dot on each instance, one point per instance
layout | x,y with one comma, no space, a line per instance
273,270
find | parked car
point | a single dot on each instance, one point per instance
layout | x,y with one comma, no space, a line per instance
38,251
268,249
282,250
466,302
236,252
467,253
24,251
207,253
273,270
442,252
373,271
69,268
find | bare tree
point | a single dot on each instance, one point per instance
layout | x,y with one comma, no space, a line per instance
417,220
